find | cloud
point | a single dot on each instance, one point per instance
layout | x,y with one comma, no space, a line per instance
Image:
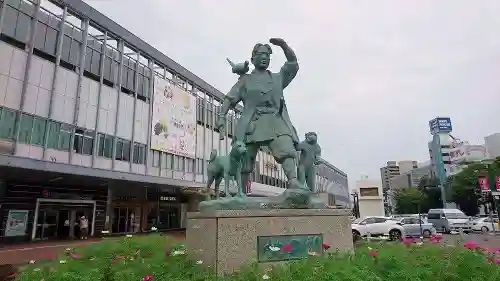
372,72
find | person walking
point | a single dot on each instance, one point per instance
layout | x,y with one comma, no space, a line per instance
84,228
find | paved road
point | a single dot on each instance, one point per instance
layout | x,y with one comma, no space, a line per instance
484,240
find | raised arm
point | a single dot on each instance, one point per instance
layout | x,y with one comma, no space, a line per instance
291,67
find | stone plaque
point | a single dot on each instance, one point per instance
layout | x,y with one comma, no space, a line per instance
288,247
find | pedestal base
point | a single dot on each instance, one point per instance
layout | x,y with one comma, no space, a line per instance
227,239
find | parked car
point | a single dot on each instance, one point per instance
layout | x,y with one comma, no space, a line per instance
447,220
377,226
485,224
416,227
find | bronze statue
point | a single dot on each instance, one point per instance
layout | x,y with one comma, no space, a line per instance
264,120
226,167
310,151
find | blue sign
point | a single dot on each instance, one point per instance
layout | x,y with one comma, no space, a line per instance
440,125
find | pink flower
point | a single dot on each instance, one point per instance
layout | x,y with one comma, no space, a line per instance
75,256
373,254
471,245
436,238
287,248
148,278
326,246
408,241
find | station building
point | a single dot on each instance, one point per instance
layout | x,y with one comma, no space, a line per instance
94,121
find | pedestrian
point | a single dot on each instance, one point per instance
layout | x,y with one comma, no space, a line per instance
84,228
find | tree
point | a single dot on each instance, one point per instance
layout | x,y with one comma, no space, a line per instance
408,200
430,187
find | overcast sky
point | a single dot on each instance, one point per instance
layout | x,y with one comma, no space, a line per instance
372,73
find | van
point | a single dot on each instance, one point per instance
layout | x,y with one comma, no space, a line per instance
447,220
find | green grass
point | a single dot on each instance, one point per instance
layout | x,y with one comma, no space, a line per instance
133,259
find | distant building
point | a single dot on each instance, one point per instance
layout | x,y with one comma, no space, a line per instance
388,172
410,179
371,199
492,143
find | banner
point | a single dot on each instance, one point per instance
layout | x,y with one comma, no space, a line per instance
17,221
174,119
484,184
497,183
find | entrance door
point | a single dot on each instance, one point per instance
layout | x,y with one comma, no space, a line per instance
47,224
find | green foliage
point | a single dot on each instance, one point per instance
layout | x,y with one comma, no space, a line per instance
136,258
464,185
430,187
408,200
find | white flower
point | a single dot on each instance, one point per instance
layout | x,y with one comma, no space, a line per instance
68,249
32,261
370,248
36,269
105,232
178,253
128,235
274,249
154,228
420,243
265,277
199,262
62,261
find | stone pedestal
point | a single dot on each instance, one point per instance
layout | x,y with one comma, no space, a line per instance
226,240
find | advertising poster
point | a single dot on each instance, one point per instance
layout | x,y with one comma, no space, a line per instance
16,223
174,119
484,184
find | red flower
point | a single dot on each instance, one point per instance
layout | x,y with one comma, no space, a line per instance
11,274
373,254
75,256
287,248
436,238
326,246
471,245
148,278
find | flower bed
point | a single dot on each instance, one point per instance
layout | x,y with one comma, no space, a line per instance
154,258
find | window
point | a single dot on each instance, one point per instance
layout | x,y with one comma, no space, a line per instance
156,158
84,142
189,165
369,221
38,136
7,123
139,153
380,220
122,150
182,163
105,146
26,128
368,191
170,161
434,216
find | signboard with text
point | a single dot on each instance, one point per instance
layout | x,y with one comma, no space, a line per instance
440,125
174,119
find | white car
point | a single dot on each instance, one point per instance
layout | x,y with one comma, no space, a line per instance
485,225
377,226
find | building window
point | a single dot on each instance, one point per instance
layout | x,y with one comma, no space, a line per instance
156,158
170,161
105,146
59,136
122,150
7,123
189,165
139,153
368,191
26,128
84,141
38,136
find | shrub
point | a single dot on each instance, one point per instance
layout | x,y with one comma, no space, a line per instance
154,258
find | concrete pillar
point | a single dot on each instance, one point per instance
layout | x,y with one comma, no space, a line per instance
109,209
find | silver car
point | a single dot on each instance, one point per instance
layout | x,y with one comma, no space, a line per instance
416,227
